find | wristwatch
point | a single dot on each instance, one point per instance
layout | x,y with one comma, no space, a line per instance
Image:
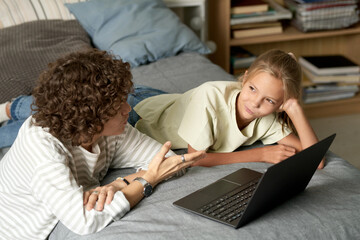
148,189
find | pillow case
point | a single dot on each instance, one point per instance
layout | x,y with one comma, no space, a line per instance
138,31
26,50
14,12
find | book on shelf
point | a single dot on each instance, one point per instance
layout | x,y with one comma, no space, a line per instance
323,15
325,98
329,92
258,31
248,6
279,13
241,58
239,72
340,78
337,13
281,2
332,88
309,1
254,14
326,9
255,25
303,7
321,2
326,24
329,64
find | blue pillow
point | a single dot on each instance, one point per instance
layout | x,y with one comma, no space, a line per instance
138,31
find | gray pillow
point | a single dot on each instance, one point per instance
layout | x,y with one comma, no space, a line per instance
139,31
26,50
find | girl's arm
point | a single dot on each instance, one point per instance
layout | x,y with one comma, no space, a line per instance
270,154
307,136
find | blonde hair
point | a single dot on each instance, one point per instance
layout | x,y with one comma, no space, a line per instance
282,66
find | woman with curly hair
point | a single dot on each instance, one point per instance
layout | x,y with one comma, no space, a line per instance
78,131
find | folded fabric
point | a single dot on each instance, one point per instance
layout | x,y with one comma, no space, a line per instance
138,31
26,50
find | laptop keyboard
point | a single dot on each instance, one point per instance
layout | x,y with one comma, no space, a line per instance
230,206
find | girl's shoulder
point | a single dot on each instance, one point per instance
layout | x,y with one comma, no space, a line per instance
220,84
218,87
216,92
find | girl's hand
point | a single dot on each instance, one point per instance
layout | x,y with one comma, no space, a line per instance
291,106
160,168
101,195
277,153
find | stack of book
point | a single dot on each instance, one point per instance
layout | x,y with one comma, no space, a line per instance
240,60
250,18
316,15
330,77
329,92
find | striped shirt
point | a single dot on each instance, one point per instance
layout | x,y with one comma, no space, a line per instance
42,181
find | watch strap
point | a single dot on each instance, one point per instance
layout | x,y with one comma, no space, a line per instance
124,180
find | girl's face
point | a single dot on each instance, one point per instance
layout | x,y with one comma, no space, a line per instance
116,125
260,96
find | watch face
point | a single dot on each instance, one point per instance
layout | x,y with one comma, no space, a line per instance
147,190
147,187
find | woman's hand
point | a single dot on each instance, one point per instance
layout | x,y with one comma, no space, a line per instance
160,168
102,195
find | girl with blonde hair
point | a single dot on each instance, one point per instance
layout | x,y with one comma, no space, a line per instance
219,117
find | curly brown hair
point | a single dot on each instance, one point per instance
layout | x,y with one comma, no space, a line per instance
79,93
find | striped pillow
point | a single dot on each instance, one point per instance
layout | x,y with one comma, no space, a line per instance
14,12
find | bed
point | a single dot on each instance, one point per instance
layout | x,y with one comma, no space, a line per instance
327,209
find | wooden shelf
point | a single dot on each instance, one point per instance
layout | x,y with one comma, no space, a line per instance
333,108
291,34
344,41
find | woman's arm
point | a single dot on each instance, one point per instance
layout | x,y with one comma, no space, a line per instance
160,168
106,193
307,136
269,154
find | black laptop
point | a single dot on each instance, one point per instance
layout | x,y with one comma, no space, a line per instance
246,194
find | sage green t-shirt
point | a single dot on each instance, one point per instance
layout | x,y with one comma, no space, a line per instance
205,118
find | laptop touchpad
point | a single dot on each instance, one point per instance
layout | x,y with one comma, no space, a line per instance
205,195
217,189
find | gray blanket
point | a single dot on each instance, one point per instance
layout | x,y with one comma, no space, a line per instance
179,73
327,209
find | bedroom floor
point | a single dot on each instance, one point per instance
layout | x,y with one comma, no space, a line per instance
347,129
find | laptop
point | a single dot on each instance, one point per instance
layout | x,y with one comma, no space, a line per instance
245,194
